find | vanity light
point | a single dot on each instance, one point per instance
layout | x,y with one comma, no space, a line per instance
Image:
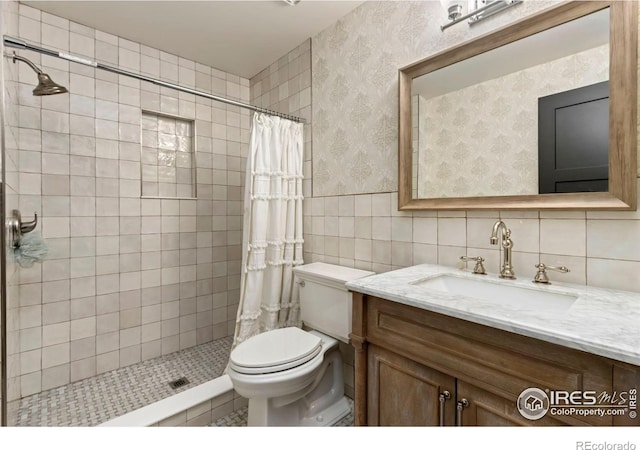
454,8
291,2
478,10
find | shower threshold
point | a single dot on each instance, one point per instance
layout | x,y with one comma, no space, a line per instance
113,394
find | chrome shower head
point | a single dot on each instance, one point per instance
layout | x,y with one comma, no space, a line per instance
46,86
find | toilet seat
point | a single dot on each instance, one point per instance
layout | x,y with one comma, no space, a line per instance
275,351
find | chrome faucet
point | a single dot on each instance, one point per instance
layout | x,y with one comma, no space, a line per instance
506,270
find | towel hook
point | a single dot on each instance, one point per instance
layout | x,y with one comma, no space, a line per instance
17,227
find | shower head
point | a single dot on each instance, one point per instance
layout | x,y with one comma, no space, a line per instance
46,86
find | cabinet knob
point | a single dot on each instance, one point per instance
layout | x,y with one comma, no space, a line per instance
460,406
443,397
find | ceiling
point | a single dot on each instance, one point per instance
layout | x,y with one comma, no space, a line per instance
240,37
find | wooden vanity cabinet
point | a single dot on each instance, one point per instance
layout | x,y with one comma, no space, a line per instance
395,383
407,358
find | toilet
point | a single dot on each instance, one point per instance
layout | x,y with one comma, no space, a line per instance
294,377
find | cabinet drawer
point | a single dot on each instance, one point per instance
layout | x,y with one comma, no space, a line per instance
499,362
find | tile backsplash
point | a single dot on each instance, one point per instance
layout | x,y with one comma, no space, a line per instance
368,232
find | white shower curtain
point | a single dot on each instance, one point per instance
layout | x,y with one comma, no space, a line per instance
272,234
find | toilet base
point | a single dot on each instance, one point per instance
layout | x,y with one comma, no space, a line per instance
331,415
289,415
320,404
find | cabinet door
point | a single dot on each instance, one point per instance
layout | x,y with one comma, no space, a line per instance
487,409
403,392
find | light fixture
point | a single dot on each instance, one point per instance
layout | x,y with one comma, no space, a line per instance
454,8
291,2
478,10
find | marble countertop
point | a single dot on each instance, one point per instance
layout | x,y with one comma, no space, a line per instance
601,321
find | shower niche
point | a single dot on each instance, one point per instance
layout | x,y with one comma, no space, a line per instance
168,156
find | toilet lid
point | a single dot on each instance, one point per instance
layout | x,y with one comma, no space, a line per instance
274,351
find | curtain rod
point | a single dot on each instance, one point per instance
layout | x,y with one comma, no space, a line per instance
20,44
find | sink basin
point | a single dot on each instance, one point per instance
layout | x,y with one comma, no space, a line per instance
503,294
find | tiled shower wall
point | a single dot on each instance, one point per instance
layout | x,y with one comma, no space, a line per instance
10,178
126,279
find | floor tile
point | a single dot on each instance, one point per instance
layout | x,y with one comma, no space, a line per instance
109,395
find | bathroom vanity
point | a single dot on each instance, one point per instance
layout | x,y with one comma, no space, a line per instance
437,346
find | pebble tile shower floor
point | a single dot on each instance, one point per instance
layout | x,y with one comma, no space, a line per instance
109,395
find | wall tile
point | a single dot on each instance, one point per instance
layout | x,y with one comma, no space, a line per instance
83,171
478,233
425,230
452,232
563,237
614,274
613,239
402,229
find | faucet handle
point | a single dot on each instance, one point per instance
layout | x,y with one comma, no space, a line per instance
541,275
479,267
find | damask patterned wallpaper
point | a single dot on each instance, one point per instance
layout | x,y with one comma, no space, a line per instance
355,66
483,139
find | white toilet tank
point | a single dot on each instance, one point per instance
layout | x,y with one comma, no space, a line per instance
325,302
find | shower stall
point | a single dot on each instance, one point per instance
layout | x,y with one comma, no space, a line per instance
133,162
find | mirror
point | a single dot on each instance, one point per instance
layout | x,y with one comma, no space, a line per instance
538,115
493,102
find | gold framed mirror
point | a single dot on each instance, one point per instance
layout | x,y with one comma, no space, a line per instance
609,185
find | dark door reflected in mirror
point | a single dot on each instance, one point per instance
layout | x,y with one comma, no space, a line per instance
573,140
